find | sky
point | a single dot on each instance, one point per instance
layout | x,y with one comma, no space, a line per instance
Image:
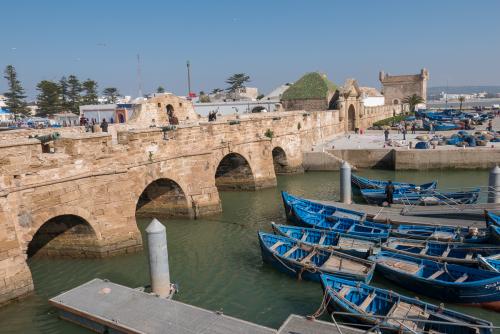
273,41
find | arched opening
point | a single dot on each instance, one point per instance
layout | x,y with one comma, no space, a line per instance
172,119
163,198
279,160
234,173
351,118
259,109
64,236
396,101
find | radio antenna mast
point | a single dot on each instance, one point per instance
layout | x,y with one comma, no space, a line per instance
139,74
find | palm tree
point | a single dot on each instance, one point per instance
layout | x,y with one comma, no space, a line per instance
413,100
461,99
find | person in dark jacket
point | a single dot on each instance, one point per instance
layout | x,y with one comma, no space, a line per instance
389,192
104,125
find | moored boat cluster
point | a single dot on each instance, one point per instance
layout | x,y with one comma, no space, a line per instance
342,249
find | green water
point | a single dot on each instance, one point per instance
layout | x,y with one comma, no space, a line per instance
216,261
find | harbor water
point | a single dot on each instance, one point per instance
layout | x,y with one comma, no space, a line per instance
216,261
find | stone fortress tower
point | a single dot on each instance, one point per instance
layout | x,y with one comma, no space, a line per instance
396,87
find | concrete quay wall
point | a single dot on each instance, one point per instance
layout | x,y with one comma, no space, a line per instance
404,159
459,158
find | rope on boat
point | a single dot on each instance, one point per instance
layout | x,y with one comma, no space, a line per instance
438,322
277,258
322,307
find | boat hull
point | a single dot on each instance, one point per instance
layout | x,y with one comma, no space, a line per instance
484,291
310,273
383,308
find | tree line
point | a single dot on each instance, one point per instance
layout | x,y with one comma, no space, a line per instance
67,94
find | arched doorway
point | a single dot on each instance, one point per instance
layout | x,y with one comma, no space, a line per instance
163,198
234,173
172,118
64,236
351,118
280,161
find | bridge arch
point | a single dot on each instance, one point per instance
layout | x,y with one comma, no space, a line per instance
280,160
163,197
233,172
65,235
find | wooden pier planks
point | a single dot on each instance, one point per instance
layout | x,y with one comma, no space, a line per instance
101,303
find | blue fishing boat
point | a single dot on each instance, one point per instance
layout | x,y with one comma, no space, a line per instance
366,183
368,306
450,283
442,233
305,262
343,225
329,210
414,197
491,218
451,252
490,263
493,222
346,243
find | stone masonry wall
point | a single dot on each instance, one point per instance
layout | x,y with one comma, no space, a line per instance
101,181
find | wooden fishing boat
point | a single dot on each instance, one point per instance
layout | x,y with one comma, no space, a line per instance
395,313
306,262
491,218
493,222
495,234
447,282
343,225
414,197
328,210
490,263
366,183
442,233
451,252
346,243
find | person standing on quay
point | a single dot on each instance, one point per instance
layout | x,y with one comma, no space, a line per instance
386,134
413,127
404,133
389,193
104,125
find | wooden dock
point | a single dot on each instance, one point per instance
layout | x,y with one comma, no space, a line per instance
429,217
106,307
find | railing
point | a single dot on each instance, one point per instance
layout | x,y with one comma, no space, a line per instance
471,199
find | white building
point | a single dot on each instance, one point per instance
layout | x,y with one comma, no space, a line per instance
276,93
3,101
371,97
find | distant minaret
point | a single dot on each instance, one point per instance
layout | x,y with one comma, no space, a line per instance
139,74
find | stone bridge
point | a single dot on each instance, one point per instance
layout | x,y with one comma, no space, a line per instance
79,197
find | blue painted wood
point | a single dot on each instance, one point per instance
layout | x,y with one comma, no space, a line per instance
414,197
295,259
317,220
366,183
348,297
328,240
329,210
441,233
447,282
451,252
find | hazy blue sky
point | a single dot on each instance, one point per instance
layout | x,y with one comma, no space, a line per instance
274,41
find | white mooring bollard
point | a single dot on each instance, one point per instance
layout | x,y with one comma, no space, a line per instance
494,185
345,183
158,258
